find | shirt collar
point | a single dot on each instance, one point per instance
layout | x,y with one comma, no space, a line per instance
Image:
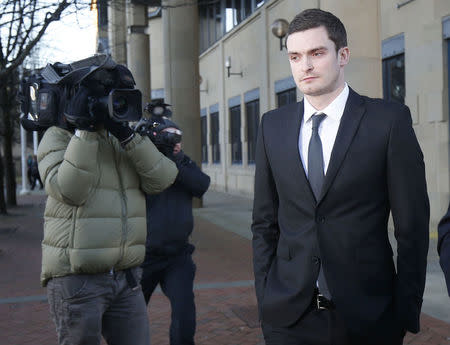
334,110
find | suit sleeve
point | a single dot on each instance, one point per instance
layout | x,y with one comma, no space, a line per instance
68,164
411,214
443,247
265,217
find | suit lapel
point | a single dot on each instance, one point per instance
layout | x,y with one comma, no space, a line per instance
292,132
353,112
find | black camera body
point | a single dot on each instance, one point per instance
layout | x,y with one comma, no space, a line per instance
46,97
159,128
40,103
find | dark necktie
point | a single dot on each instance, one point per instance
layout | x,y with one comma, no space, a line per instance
316,177
315,157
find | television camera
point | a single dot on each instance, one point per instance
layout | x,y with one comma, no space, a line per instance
108,87
164,133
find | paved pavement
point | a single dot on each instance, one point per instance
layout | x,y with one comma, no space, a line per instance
226,305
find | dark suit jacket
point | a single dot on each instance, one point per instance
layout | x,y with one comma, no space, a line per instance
443,246
376,166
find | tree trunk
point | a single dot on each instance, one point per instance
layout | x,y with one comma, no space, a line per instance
10,172
6,103
2,189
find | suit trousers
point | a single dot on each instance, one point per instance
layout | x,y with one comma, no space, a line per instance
86,306
315,327
175,275
318,327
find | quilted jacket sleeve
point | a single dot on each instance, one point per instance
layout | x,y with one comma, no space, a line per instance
156,171
68,164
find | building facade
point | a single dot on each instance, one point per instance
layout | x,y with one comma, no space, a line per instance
400,50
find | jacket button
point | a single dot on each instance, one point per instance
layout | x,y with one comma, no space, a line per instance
322,219
315,259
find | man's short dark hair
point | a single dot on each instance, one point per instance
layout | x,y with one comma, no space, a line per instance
314,18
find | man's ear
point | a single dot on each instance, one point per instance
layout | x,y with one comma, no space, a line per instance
343,56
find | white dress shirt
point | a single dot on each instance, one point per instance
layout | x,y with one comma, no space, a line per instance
327,130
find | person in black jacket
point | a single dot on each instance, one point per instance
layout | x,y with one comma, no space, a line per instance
34,173
443,247
168,259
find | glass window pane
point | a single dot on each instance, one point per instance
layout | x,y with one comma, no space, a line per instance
287,97
203,140
214,127
218,20
236,144
394,78
229,15
211,25
238,11
252,111
247,8
203,28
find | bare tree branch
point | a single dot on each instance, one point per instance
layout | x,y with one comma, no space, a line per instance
28,32
49,18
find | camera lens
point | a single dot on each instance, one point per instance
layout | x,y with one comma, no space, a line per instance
120,106
125,104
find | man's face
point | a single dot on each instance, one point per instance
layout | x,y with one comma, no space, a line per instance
316,67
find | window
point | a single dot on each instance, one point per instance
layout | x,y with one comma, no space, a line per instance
393,54
287,97
217,17
214,128
394,78
252,113
230,15
242,9
203,139
236,144
247,8
210,27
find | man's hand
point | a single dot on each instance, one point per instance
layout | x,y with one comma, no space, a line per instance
120,130
179,158
77,112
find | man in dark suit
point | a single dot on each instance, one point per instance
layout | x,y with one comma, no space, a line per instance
443,247
329,170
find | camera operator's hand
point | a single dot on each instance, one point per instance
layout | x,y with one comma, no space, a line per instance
180,159
120,130
77,112
164,146
166,150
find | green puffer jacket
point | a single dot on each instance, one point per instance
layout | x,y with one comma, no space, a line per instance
94,218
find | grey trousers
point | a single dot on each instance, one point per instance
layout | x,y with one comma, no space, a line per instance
85,307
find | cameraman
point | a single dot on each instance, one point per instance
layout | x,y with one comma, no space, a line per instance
168,258
95,176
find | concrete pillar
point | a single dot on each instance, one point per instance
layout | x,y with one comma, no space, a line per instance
102,27
223,116
117,31
138,47
264,103
35,142
180,40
